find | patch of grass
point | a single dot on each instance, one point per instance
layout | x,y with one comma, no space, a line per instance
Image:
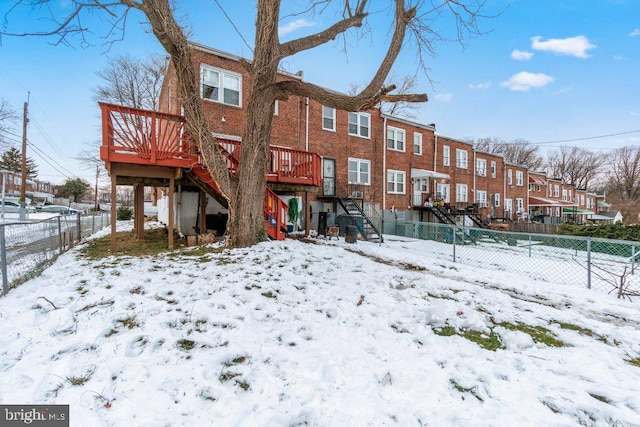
634,362
537,333
155,242
600,398
579,329
77,381
488,342
223,260
461,389
137,290
186,344
269,295
129,322
110,333
446,331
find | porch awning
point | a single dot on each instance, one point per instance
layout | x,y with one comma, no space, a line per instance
423,173
537,180
541,201
576,211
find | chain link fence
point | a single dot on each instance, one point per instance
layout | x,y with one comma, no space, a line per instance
27,247
602,264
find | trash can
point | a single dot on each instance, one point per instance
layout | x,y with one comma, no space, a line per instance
322,223
351,234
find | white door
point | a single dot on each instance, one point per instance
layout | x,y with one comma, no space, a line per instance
420,190
443,192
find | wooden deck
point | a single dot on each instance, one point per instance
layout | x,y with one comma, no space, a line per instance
134,136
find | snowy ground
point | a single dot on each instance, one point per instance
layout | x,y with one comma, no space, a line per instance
293,333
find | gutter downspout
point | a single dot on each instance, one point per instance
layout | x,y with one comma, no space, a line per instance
306,125
435,162
504,187
475,172
384,162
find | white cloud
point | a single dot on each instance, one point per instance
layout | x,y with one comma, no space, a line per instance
521,55
485,85
635,33
444,97
523,81
294,26
618,57
573,46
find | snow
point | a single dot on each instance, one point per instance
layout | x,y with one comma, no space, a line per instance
295,333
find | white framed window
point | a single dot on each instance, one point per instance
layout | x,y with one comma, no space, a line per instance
481,198
446,155
328,118
588,203
520,205
396,139
417,143
359,124
462,194
493,169
396,181
509,176
496,200
532,186
565,197
359,171
556,190
220,85
519,178
508,205
462,159
582,199
442,192
481,167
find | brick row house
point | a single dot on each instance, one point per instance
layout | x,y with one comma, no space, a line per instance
372,159
38,191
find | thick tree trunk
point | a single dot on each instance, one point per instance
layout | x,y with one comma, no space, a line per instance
246,217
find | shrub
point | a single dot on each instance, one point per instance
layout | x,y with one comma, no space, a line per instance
124,213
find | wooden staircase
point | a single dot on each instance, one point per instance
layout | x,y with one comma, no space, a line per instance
151,138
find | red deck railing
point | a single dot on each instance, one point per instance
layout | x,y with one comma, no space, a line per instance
133,135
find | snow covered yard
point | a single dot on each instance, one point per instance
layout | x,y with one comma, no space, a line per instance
326,334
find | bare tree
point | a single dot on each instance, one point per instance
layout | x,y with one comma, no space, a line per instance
623,175
8,118
404,109
518,151
130,81
575,166
410,27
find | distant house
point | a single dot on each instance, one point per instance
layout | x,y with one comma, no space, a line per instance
612,217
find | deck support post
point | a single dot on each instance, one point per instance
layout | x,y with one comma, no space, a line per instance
307,221
138,211
172,185
203,212
114,179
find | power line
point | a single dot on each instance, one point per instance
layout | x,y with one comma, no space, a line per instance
44,157
585,138
233,25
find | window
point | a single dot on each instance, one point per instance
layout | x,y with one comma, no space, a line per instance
481,167
493,169
221,86
395,181
564,195
588,203
461,193
328,118
519,178
395,138
462,159
496,200
276,108
359,171
532,186
582,199
520,205
446,155
417,143
508,205
359,124
481,198
509,176
556,190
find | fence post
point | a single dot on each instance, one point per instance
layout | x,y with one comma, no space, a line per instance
453,228
79,223
633,259
529,245
60,233
93,222
3,255
588,262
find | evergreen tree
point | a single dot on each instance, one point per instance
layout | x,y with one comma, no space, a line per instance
11,160
76,188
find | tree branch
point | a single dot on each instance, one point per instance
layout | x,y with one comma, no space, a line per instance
305,43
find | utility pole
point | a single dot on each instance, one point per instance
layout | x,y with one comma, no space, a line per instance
95,209
23,183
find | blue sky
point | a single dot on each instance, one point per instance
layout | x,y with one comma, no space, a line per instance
544,71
